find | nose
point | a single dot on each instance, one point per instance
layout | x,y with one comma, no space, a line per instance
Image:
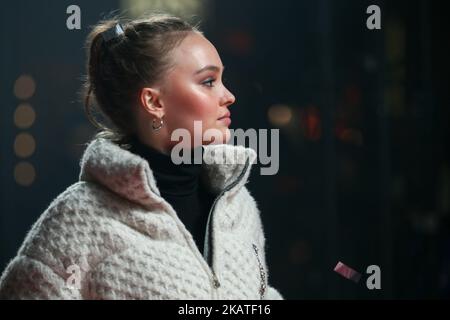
228,98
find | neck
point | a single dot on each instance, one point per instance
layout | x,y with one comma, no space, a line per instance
172,178
155,144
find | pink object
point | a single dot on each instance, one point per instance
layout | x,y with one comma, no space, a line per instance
347,272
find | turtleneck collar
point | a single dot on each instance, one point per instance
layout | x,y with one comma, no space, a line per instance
172,179
130,176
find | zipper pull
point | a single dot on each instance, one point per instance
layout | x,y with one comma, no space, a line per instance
216,282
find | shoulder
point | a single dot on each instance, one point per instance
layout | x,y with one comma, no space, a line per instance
77,226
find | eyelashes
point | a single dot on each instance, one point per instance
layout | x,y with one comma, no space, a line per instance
209,83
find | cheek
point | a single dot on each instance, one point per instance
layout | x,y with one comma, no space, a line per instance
191,104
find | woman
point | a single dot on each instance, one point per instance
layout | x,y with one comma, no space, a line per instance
137,225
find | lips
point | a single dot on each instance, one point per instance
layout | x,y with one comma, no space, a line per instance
225,119
226,115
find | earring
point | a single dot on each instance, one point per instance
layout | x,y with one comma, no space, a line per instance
156,128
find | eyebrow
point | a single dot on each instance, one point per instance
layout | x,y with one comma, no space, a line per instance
209,67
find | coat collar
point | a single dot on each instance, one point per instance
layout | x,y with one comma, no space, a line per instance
225,168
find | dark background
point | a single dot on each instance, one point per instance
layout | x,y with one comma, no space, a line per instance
364,166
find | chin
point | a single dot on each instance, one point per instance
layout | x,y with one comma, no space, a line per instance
221,136
227,135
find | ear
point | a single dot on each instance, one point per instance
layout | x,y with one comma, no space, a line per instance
149,100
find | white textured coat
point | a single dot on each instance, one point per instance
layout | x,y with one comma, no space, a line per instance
112,236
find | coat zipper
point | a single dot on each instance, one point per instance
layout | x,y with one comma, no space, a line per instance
208,246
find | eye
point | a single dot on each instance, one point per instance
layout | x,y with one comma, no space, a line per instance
209,82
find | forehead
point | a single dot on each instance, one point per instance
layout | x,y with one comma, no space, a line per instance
194,53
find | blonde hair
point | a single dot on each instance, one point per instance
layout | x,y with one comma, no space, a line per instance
118,68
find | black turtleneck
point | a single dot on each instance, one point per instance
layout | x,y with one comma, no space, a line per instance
181,186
